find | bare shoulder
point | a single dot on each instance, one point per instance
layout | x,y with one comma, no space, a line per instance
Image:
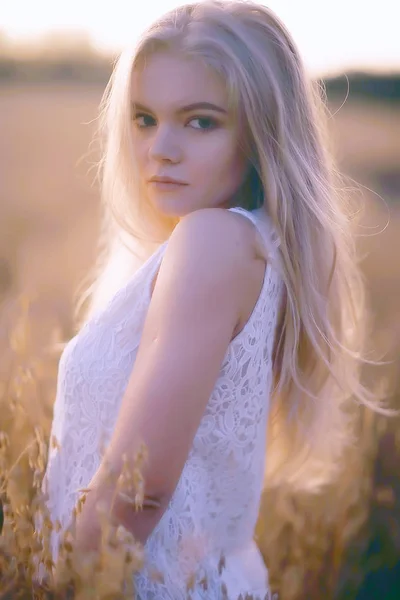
209,240
214,240
224,231
215,244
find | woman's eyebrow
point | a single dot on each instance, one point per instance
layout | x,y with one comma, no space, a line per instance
188,108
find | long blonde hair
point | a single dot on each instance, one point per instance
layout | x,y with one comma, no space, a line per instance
319,351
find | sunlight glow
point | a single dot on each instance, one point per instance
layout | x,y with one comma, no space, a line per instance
331,35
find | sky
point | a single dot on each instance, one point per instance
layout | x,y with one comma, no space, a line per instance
332,36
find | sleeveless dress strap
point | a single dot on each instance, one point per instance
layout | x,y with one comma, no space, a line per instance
264,226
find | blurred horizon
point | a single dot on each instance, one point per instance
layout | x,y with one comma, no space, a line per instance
332,38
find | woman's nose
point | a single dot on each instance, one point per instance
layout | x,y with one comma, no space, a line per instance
165,146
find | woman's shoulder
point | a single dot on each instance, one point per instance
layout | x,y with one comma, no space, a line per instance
251,222
222,248
223,230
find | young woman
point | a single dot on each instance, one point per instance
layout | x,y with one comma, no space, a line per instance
245,314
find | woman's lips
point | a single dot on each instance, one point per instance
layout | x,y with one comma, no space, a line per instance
166,186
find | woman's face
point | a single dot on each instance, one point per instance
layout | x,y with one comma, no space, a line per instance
197,145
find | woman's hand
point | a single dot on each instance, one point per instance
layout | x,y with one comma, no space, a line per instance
105,497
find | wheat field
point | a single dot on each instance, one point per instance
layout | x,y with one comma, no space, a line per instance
49,218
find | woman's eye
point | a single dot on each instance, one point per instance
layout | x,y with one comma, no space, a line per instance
142,123
205,123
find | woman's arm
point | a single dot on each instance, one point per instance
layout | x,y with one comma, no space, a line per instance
191,320
122,512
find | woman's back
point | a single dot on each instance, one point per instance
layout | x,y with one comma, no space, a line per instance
214,508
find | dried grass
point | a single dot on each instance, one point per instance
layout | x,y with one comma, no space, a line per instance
303,539
312,546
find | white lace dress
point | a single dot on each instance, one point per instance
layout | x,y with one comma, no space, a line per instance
216,502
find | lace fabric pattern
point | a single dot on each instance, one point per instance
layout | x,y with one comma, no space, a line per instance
214,508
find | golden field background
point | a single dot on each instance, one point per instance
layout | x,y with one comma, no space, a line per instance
49,199
49,209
